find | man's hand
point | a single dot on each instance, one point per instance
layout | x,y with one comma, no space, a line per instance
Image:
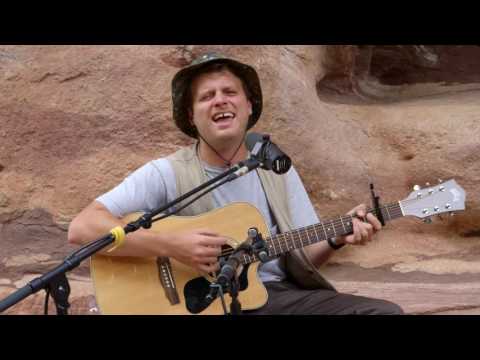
199,249
363,231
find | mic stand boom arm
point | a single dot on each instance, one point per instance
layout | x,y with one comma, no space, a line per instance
55,282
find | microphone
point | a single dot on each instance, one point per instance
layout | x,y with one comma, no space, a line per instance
226,274
269,154
265,154
230,268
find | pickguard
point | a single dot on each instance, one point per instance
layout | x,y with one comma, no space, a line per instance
198,288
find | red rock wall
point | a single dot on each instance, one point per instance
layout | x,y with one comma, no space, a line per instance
75,120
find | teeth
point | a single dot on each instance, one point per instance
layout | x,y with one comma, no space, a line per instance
222,115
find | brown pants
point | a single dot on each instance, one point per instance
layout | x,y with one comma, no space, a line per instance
286,298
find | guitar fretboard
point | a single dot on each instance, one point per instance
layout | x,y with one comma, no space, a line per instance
299,238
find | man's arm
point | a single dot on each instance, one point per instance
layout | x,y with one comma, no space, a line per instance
198,248
363,233
95,221
303,214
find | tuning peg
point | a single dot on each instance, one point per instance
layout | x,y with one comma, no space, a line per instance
427,184
416,187
427,220
451,213
440,181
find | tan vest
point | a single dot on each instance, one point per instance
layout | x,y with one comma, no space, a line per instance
189,173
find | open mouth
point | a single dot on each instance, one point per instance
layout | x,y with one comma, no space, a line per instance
223,116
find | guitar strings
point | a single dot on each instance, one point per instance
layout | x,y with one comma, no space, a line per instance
393,210
277,238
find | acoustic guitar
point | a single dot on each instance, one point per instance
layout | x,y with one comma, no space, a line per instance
134,285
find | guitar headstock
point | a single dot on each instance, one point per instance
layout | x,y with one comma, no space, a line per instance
446,197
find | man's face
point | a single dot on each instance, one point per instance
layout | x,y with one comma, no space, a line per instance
220,108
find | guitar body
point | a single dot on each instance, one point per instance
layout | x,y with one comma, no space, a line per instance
132,285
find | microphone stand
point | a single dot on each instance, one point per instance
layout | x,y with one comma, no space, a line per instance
228,280
235,306
55,282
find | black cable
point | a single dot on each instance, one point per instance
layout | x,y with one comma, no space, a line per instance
45,306
205,192
227,162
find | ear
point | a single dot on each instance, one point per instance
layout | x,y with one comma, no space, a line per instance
250,108
190,117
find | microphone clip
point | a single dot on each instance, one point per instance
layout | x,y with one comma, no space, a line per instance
268,154
258,245
254,245
259,146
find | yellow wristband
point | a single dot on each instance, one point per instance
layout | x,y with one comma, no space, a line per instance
119,235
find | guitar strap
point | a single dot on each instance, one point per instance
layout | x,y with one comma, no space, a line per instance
298,267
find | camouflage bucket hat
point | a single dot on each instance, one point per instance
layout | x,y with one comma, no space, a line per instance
181,85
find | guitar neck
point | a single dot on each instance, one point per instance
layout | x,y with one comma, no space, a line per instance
299,238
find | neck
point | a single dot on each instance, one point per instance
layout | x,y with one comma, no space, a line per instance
226,151
339,226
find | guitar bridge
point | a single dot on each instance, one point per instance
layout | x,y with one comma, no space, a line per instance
167,280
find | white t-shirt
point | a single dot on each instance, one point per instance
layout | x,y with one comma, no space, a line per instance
153,185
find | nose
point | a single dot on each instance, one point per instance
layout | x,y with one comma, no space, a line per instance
220,99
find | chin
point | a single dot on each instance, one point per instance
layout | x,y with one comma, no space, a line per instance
231,132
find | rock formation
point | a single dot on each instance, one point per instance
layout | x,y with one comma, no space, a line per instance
75,120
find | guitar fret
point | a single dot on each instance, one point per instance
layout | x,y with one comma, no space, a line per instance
296,232
300,243
316,234
302,240
344,229
271,248
286,239
388,213
303,237
339,229
308,238
297,239
350,224
323,226
313,233
278,251
333,227
290,240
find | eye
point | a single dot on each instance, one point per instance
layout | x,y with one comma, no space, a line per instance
205,97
